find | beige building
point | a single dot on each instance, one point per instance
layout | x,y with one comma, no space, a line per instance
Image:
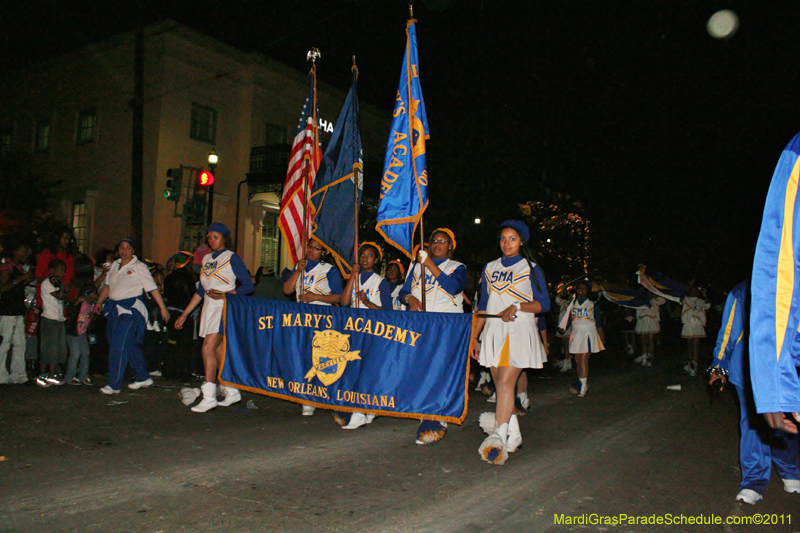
73,114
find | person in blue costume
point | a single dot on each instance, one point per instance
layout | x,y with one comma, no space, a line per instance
507,340
221,270
775,305
122,302
313,281
759,446
445,281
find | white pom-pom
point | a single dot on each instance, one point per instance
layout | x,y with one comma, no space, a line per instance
487,422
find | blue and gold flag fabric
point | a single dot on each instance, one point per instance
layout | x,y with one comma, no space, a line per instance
775,292
627,297
409,365
335,197
663,286
404,185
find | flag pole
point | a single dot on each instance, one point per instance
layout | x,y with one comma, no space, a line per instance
354,68
312,56
421,225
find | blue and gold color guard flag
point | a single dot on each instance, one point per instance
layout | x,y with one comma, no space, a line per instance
775,292
404,185
335,198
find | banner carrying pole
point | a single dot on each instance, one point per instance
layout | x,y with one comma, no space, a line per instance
354,69
312,56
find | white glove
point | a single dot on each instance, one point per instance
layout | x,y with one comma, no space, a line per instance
422,255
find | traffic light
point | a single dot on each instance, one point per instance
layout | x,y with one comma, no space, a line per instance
173,189
205,179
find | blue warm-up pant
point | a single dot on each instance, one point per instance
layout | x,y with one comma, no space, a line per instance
125,334
760,446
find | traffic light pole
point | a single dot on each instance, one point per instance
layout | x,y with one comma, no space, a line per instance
210,203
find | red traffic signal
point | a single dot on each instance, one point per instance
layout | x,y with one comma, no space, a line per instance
205,179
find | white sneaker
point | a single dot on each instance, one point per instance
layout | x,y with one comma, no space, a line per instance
155,374
308,410
791,485
690,368
140,384
748,496
109,390
584,390
231,396
356,421
640,360
492,398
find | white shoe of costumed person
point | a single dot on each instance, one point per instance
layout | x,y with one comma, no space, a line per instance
140,384
791,485
748,496
189,396
356,421
493,449
209,400
231,396
514,435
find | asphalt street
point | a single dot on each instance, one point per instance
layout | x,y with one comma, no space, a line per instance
72,459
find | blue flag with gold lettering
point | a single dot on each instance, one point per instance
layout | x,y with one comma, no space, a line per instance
404,185
409,365
335,197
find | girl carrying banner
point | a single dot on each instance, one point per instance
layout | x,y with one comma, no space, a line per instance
315,282
373,293
445,281
394,275
506,338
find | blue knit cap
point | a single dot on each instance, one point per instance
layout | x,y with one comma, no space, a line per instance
219,228
129,240
519,226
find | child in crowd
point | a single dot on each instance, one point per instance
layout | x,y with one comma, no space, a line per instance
79,316
53,338
587,334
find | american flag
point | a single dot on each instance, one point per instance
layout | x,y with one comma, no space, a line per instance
303,163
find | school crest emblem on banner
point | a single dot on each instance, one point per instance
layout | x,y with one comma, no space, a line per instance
330,355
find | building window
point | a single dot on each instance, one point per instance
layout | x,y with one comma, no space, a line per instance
87,126
79,225
42,138
204,124
6,140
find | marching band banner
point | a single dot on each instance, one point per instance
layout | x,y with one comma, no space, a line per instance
402,364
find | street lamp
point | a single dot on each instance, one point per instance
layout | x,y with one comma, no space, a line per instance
213,159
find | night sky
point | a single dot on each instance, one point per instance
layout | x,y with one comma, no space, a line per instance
667,136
